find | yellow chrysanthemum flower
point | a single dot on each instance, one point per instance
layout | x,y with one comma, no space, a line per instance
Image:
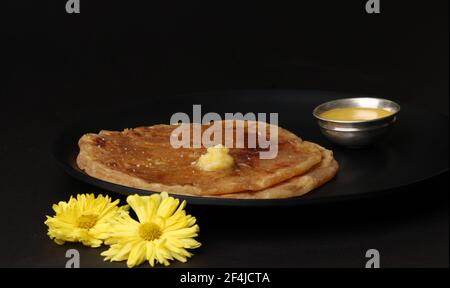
83,219
163,232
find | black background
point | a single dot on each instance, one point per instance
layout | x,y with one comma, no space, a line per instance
58,66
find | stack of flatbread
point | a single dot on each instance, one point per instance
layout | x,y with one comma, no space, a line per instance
144,158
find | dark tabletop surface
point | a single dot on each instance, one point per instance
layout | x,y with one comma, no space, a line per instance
409,227
61,65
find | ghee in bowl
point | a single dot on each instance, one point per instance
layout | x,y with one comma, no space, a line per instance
355,114
356,122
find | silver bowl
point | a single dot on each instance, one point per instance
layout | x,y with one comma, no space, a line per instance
357,133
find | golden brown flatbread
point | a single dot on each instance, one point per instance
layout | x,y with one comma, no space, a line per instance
298,185
143,158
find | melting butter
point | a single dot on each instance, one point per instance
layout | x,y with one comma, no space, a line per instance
355,114
216,158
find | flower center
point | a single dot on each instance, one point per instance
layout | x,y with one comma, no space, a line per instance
87,221
149,231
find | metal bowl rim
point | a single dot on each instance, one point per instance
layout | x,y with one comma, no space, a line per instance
356,121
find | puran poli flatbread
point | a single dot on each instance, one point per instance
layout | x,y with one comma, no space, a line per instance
143,158
298,185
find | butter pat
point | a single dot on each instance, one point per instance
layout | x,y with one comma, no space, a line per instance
216,158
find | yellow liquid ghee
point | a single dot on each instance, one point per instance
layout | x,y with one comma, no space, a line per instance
355,114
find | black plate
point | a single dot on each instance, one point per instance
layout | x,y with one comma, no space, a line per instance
416,150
